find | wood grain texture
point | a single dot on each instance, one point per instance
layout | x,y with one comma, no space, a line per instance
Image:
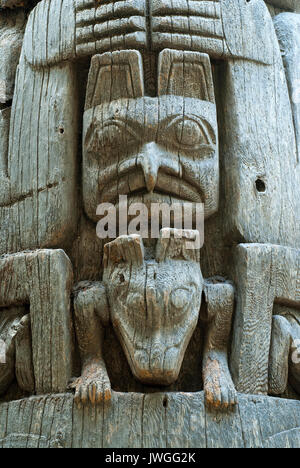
154,307
264,275
4,142
39,205
168,80
287,26
43,280
12,27
155,421
260,186
144,146
219,28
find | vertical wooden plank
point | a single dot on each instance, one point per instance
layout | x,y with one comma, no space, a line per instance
154,421
253,318
250,425
122,421
224,429
185,423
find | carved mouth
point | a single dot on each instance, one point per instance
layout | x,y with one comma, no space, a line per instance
134,184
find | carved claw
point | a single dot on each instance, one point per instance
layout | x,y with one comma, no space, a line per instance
221,398
94,388
219,390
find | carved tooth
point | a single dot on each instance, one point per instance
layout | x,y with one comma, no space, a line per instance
129,249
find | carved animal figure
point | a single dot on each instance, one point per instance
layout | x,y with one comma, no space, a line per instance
154,306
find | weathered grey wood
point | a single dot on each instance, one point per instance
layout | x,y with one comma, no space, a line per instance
264,274
190,170
43,279
287,26
257,180
12,26
4,142
83,29
39,206
154,312
174,100
279,355
136,420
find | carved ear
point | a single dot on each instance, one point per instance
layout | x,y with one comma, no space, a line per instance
186,74
114,75
125,249
176,244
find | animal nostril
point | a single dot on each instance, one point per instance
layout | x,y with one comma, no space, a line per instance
165,402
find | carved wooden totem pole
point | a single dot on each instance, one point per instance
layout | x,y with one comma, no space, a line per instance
135,340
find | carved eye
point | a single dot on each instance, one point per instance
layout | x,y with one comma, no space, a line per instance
113,134
192,134
180,298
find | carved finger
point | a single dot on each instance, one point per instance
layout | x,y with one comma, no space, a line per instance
225,399
233,398
209,398
84,394
77,397
92,393
107,391
99,392
217,398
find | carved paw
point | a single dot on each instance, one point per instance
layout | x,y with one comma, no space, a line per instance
219,389
93,387
224,397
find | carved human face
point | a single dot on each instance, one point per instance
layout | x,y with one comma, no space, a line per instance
152,146
154,310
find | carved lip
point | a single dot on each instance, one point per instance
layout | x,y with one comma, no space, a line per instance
166,185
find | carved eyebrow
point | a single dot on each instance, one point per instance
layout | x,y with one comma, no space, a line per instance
124,122
128,128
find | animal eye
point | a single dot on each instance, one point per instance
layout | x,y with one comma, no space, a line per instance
180,298
191,134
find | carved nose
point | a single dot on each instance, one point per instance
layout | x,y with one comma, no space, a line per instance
149,160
